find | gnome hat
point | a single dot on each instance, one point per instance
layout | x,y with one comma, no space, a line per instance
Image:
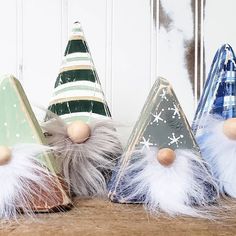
215,120
219,92
78,94
161,159
26,157
79,124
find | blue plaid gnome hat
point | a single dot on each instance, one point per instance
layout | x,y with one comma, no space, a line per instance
220,88
215,124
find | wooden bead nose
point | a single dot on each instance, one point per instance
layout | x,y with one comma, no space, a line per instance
78,131
5,155
229,128
166,156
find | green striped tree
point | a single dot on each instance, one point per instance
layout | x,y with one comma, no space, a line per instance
84,135
78,94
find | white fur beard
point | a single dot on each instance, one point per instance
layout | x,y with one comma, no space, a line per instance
176,190
220,153
85,166
22,179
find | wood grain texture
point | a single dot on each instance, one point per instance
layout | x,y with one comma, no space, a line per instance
99,217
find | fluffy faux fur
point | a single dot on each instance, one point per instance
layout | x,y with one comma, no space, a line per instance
22,180
220,153
85,166
179,189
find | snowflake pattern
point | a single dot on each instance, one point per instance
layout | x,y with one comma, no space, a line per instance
146,143
163,95
175,140
175,111
157,118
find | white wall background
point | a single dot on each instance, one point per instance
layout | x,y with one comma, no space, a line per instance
34,36
122,38
219,27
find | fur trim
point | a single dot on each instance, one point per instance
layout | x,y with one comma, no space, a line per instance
25,181
85,166
220,153
180,189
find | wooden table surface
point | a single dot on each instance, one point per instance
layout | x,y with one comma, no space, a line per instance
100,217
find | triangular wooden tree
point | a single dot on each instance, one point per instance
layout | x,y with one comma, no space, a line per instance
162,124
215,119
218,97
18,125
78,94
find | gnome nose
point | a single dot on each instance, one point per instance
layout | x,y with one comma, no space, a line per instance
229,128
5,155
78,131
166,156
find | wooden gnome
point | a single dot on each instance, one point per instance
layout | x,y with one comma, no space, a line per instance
79,125
215,120
27,177
162,166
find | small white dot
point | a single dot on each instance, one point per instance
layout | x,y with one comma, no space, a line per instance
14,105
17,135
5,124
4,88
33,137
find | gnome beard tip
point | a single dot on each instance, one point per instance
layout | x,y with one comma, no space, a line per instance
87,153
171,182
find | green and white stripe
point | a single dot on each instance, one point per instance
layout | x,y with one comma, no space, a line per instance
76,56
86,85
77,62
78,93
77,30
83,116
85,107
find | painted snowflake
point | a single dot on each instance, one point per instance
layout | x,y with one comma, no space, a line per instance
175,140
163,95
157,117
175,111
146,143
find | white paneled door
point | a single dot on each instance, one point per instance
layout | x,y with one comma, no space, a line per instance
123,37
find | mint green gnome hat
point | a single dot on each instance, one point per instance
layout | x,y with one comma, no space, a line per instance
78,94
27,177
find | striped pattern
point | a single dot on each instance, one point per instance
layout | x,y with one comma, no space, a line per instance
220,89
78,93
